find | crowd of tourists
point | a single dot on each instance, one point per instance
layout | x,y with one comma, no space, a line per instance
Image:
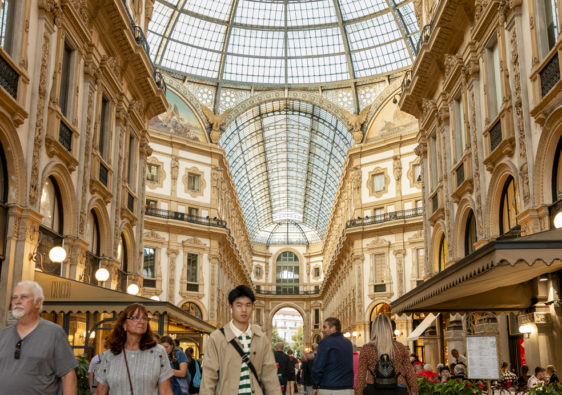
238,358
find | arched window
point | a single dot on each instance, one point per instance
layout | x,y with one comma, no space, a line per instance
442,257
51,206
470,236
508,206
287,269
557,174
93,233
193,309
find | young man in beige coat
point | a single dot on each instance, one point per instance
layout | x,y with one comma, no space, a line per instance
224,373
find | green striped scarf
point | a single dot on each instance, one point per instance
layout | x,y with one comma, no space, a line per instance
245,387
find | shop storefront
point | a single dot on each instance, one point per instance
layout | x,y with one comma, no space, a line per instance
87,313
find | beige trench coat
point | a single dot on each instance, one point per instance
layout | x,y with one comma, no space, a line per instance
222,364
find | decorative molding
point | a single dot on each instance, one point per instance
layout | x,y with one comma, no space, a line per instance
371,187
39,120
202,184
161,173
411,173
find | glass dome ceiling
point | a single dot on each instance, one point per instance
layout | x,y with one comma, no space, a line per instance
286,158
285,42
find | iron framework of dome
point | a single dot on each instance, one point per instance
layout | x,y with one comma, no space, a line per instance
286,159
282,42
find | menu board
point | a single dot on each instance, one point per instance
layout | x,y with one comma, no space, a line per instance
482,355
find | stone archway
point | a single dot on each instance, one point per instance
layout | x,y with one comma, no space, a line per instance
288,322
303,308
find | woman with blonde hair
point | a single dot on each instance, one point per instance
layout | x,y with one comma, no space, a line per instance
378,349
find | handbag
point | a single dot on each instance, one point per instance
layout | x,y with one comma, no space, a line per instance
128,373
246,359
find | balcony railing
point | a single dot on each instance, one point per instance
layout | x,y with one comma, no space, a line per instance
166,214
424,36
550,75
289,292
140,38
387,217
65,136
460,174
495,135
103,174
9,78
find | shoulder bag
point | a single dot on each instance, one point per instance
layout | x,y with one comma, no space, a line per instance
246,359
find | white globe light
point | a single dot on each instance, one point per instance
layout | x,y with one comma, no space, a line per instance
93,335
133,289
354,334
347,334
57,254
102,274
155,297
397,332
558,220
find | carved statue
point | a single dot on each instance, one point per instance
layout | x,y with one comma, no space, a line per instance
356,121
216,120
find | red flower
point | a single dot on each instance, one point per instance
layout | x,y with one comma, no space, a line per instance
467,383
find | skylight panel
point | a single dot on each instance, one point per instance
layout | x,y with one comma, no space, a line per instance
198,32
409,17
160,18
352,9
313,42
381,59
318,69
306,13
254,70
372,32
260,13
255,42
218,9
192,60
153,43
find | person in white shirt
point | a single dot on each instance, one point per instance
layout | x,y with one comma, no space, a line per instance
537,378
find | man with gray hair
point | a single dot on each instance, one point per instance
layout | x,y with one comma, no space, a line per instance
35,357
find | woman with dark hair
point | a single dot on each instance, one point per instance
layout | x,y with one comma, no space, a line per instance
134,363
178,362
194,371
382,344
524,378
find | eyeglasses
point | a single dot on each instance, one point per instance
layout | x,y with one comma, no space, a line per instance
18,350
139,318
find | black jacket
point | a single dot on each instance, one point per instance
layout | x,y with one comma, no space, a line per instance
284,365
307,372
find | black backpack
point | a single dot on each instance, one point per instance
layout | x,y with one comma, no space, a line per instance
384,374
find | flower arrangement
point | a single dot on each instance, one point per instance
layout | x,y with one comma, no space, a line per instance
546,389
451,387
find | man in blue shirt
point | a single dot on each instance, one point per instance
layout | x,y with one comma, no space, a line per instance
332,371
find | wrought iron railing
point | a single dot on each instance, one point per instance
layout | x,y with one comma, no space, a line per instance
149,283
496,135
407,80
47,240
379,288
550,75
288,292
140,38
9,78
104,173
65,136
130,202
425,35
381,218
167,214
460,174
434,203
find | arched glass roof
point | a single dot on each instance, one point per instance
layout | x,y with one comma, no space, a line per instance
286,158
282,41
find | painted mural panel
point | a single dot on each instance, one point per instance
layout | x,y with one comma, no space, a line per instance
179,119
390,121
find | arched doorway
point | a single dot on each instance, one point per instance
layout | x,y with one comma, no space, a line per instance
288,326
